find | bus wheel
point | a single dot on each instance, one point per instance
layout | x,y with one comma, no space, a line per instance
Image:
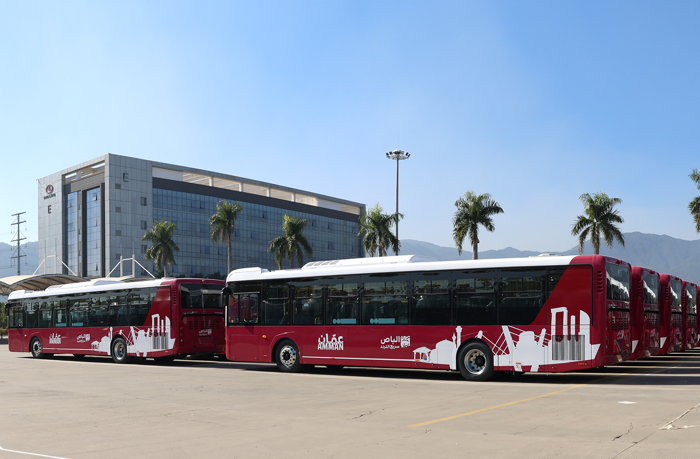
475,362
287,357
119,351
36,349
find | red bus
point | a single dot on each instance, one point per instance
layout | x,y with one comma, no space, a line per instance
538,314
690,320
671,313
644,309
160,318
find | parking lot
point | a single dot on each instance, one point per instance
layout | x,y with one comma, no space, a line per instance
66,408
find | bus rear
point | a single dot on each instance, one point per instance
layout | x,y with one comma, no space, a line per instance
618,336
670,313
690,322
644,312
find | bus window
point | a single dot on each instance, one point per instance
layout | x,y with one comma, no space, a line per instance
651,288
618,282
385,301
676,298
191,296
307,306
118,310
139,304
45,314
522,296
431,298
211,297
60,313
276,304
243,308
16,316
99,315
32,314
342,303
475,297
79,313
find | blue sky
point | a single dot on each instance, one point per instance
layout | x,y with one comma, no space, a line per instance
532,102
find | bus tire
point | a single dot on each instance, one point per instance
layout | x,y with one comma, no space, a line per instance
287,357
475,362
36,349
119,351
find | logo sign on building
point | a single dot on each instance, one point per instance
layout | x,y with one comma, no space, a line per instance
49,192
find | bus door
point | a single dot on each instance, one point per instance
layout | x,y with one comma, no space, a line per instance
242,318
202,324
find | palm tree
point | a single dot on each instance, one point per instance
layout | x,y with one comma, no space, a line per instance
599,218
375,231
222,225
473,210
163,248
292,245
694,205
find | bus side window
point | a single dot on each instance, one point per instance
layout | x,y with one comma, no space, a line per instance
475,297
32,314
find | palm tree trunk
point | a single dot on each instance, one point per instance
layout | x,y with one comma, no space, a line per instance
475,252
164,264
229,256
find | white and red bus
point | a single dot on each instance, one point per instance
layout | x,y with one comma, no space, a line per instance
645,312
539,314
690,320
160,318
671,313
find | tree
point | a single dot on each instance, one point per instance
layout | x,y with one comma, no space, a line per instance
3,320
473,210
694,206
375,231
599,217
292,245
163,248
222,223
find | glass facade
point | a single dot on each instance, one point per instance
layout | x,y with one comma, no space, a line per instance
94,232
73,240
255,227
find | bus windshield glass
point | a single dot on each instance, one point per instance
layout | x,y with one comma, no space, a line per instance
676,294
691,294
651,288
618,282
200,296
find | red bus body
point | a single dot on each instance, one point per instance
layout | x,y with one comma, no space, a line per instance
671,313
580,324
644,310
690,320
151,319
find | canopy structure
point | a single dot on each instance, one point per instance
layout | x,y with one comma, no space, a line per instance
35,282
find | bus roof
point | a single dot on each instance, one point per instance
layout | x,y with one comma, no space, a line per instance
404,263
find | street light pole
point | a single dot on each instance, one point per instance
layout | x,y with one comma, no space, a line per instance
398,155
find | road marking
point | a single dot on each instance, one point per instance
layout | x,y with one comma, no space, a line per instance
449,418
30,454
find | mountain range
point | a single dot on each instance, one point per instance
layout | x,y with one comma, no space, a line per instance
664,254
661,253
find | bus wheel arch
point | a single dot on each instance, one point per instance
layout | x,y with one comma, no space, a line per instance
119,350
475,360
287,356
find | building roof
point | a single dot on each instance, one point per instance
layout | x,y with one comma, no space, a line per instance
35,282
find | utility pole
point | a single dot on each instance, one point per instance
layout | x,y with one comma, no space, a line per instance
397,155
18,239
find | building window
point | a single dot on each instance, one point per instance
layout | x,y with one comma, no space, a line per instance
125,177
194,270
144,224
313,222
205,249
264,214
143,201
193,204
330,225
252,234
202,205
119,232
117,186
144,248
118,210
174,269
202,228
221,250
236,233
118,256
331,245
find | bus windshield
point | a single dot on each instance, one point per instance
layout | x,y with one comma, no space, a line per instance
651,288
200,296
618,280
